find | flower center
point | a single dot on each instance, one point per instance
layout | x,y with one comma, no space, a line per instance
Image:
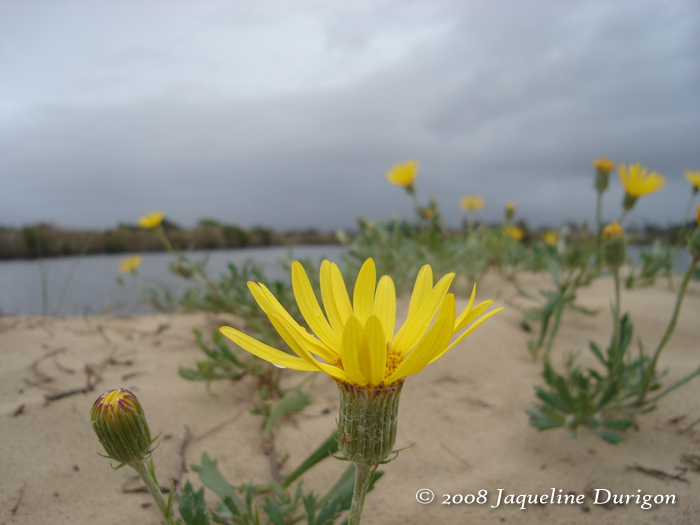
393,360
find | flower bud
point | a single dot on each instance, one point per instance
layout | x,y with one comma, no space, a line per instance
509,211
120,424
614,245
603,168
367,422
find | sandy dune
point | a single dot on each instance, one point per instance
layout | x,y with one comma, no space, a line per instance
465,415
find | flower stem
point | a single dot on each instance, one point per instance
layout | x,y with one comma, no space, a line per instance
650,373
599,228
154,490
363,477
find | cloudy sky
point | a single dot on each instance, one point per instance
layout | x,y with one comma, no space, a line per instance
288,114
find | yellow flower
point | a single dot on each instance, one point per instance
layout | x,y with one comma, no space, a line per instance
636,181
613,231
510,207
152,220
513,232
472,202
355,343
130,263
694,178
403,174
551,237
604,164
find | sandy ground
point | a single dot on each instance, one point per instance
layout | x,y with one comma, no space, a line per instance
464,414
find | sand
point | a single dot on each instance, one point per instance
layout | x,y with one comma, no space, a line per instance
464,415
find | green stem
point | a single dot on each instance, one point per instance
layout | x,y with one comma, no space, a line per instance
555,329
682,232
363,477
164,238
617,331
154,490
622,217
651,371
599,228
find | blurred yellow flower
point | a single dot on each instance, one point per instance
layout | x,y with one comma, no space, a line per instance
403,174
513,232
356,343
427,213
694,178
551,237
604,164
151,220
130,263
510,207
613,231
472,202
636,181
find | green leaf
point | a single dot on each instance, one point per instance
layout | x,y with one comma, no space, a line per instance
617,424
273,512
210,476
544,421
294,401
193,508
328,447
610,437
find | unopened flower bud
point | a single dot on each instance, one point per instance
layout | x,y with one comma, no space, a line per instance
120,424
614,245
603,168
509,211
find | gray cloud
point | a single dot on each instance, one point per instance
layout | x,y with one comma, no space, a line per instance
510,100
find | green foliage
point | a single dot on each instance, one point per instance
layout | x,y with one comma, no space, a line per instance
657,258
192,506
240,504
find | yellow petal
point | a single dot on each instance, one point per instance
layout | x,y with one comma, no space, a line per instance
432,343
297,344
423,286
385,307
424,283
471,315
376,349
363,296
329,303
421,320
340,294
272,307
465,312
468,331
310,309
353,348
266,352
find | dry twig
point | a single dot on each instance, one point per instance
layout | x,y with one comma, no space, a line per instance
656,473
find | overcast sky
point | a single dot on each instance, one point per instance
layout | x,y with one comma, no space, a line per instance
288,114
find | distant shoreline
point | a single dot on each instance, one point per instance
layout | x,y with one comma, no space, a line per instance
46,240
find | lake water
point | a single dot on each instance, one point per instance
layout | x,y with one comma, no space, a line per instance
93,287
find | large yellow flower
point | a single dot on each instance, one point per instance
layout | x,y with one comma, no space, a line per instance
694,178
356,342
636,181
403,174
472,202
151,220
